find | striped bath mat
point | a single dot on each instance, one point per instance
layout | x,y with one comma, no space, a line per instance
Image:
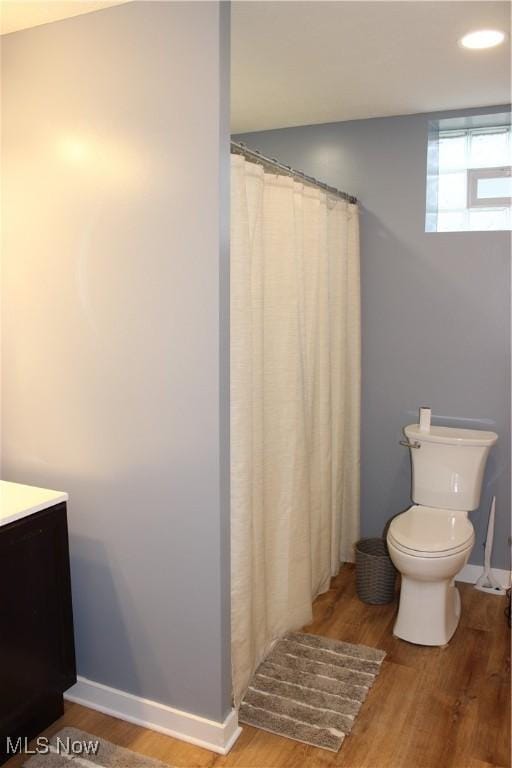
310,688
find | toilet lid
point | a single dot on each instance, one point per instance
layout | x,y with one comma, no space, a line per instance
426,529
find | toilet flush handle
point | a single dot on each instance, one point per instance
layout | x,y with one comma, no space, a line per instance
408,444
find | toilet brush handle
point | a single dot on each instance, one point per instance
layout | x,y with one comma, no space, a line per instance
490,537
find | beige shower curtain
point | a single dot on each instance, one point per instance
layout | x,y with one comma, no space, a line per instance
295,403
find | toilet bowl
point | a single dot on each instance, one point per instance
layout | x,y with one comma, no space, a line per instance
429,547
431,541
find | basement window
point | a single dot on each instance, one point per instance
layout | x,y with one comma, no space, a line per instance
469,174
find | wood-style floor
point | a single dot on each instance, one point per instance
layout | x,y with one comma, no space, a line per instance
429,708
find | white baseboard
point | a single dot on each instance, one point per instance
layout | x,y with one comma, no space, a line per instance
217,737
470,574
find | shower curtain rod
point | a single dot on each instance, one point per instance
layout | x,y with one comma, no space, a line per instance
254,156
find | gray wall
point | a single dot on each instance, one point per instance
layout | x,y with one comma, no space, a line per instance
115,330
435,309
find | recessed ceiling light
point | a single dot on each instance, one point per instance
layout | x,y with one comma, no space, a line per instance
482,38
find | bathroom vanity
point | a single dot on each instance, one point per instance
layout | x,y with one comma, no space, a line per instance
37,655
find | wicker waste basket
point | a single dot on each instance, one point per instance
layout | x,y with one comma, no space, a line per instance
375,573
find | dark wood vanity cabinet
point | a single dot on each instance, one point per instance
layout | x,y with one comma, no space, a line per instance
37,655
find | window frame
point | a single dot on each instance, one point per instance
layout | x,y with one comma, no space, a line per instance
459,214
473,177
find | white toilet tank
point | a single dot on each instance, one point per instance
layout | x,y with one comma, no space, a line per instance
448,466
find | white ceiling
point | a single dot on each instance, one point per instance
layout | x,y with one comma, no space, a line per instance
21,14
299,63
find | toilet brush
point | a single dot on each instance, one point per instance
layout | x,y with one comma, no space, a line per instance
487,582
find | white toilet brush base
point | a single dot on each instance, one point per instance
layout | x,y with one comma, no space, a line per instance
428,613
487,583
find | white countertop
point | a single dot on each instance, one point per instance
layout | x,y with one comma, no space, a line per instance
17,501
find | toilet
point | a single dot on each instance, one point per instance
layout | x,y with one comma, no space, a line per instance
431,541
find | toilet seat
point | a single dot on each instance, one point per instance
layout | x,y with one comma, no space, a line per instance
425,553
431,532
